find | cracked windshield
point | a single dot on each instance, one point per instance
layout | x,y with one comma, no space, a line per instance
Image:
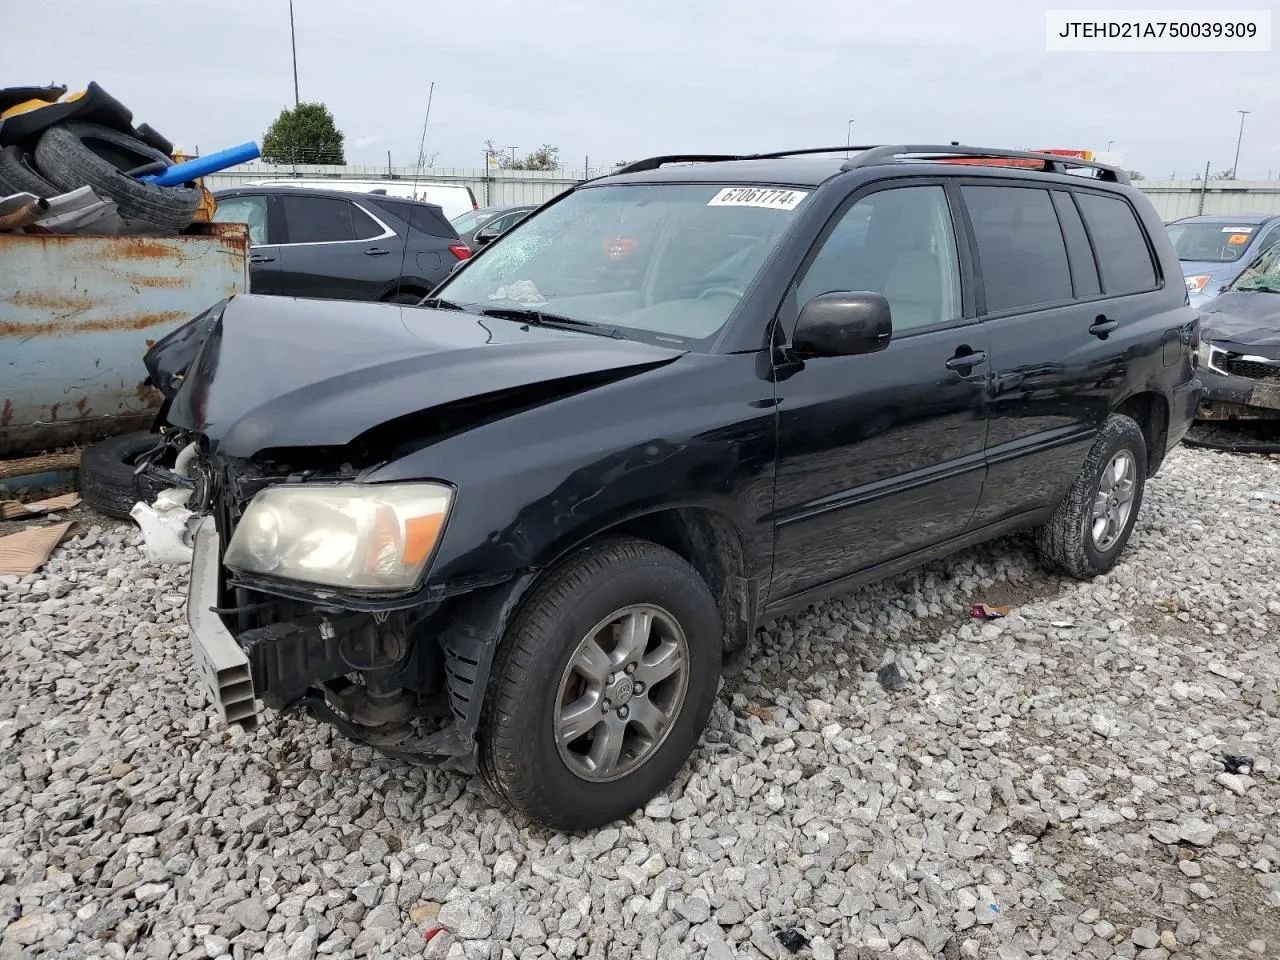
1264,274
669,260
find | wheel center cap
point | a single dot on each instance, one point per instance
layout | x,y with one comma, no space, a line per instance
621,691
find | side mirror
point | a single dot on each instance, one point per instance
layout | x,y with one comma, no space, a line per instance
485,235
843,324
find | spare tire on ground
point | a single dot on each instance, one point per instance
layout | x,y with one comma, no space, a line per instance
107,481
19,175
72,155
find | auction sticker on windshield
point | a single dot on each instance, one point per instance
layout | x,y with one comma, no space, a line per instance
767,197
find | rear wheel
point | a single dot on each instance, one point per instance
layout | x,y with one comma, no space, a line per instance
1091,526
602,686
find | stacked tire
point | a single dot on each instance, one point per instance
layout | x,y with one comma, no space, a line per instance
72,155
108,483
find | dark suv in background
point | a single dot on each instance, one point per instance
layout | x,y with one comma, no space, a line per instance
343,246
532,522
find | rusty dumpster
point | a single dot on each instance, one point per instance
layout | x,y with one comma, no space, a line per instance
78,312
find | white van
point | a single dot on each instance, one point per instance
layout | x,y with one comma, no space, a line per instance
454,199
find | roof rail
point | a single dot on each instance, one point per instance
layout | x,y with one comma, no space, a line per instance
653,163
1052,163
780,154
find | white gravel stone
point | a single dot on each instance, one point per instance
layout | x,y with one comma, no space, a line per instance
1198,832
1027,794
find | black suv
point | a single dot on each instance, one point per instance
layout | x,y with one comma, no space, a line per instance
531,523
336,244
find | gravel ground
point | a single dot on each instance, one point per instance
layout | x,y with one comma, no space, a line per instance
1051,784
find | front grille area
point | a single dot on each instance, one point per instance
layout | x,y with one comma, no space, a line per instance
1238,366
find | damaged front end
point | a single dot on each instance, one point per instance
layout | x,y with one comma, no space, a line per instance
309,581
1240,356
400,673
1241,383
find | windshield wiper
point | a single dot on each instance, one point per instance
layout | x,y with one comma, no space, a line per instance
538,318
1260,287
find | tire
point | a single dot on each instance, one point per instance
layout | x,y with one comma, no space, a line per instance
107,481
1067,542
72,155
18,175
520,757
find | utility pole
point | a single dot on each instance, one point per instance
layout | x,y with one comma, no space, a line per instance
293,42
1204,185
513,155
1235,166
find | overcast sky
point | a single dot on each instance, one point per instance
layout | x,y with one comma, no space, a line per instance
617,81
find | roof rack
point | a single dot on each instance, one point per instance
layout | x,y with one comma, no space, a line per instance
874,154
1052,163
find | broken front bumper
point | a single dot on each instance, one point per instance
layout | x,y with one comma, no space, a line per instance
1228,397
223,666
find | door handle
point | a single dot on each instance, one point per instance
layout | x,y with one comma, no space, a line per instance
1102,326
962,361
261,258
375,252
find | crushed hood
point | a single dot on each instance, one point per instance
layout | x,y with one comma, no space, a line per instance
1244,321
276,372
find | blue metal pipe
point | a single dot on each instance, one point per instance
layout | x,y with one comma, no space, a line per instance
203,166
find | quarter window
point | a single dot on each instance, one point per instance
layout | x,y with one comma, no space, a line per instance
1020,246
363,226
1120,243
899,243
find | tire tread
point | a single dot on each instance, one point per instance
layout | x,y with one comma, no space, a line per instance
500,748
1060,542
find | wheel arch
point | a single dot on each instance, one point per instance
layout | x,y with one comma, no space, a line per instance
706,538
1150,409
404,285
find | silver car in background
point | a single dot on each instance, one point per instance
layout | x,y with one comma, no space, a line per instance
1215,249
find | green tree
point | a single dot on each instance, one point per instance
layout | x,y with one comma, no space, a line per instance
306,134
1135,175
546,157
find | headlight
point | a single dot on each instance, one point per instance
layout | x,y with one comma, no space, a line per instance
1196,284
1205,354
362,537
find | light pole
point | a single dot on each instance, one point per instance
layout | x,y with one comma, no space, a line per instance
848,134
293,43
1235,166
1109,143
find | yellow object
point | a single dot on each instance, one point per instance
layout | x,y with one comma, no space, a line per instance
208,205
28,105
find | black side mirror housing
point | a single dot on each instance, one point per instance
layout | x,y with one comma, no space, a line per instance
843,324
485,235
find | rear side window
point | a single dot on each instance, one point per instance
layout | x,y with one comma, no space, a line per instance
1020,246
1121,245
317,219
363,226
425,218
1084,272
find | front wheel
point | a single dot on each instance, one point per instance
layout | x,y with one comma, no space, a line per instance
1091,526
602,685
